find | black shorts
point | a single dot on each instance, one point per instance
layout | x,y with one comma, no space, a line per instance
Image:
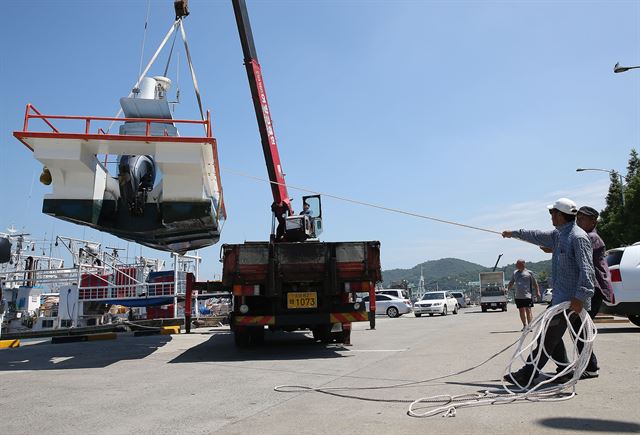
524,303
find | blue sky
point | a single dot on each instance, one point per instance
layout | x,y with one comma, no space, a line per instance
471,111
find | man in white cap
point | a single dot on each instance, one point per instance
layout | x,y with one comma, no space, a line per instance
573,281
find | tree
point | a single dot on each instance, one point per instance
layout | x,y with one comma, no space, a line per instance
620,225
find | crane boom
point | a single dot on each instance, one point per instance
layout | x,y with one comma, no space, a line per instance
281,201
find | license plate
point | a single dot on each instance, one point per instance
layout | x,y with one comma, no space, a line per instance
302,300
493,305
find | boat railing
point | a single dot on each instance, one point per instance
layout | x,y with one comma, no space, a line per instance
32,113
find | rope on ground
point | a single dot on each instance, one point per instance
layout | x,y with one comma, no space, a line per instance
447,405
548,390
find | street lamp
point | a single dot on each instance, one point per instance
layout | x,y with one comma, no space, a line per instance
620,69
610,171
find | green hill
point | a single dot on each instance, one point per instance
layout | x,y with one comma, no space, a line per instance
453,273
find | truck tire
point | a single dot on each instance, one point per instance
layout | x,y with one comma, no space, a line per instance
634,318
257,336
504,308
242,338
322,333
455,310
484,309
444,311
417,314
339,337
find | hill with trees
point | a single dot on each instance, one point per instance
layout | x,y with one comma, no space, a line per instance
453,273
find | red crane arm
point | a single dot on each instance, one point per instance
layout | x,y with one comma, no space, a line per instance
281,200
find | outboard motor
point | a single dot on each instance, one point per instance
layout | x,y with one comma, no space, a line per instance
136,176
5,250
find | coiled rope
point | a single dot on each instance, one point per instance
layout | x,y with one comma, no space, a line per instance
547,390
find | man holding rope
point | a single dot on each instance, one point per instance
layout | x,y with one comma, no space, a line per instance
573,281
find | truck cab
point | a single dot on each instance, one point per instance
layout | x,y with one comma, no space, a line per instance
307,224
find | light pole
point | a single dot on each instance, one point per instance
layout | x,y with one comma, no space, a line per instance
620,69
610,171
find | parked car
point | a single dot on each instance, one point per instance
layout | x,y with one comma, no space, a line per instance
547,296
432,303
624,264
389,305
398,293
463,301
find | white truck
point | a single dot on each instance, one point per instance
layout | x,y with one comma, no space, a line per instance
493,294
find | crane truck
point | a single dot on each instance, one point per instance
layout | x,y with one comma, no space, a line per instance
293,281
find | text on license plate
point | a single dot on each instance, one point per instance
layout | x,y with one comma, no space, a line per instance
302,300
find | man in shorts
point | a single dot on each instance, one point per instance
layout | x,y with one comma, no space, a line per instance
525,284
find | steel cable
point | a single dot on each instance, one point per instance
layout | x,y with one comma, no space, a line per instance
367,204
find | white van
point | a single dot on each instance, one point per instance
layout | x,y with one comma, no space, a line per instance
624,264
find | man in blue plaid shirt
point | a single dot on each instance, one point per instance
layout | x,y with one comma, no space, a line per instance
573,281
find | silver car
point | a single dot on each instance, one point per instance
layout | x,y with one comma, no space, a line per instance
463,301
389,305
432,303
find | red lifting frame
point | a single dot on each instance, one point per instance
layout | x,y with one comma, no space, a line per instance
32,112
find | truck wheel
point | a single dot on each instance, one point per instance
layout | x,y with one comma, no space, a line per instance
392,312
417,314
484,309
634,318
257,335
455,310
430,314
339,337
242,338
504,308
322,333
444,311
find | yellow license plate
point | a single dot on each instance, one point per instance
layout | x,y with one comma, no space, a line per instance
302,300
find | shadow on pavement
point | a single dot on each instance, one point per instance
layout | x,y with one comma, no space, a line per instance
277,346
481,384
630,330
481,312
590,425
82,355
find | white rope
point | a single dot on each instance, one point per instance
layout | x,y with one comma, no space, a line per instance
144,35
193,72
368,204
545,391
447,405
151,62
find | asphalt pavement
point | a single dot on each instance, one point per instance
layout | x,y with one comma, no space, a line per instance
200,383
